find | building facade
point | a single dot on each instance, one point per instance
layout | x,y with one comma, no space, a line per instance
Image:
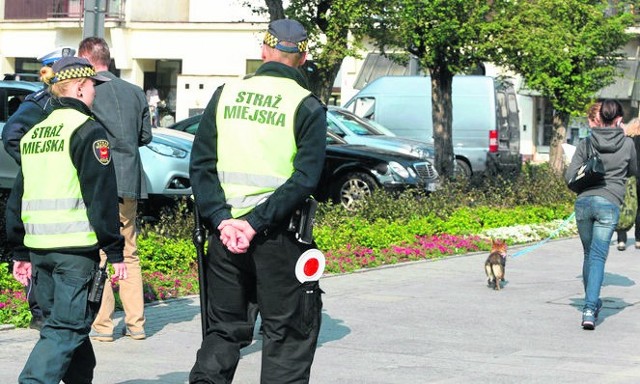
186,48
183,48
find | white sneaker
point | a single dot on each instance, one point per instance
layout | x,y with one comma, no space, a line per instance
622,246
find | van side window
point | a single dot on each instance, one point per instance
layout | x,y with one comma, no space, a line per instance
513,104
502,104
364,107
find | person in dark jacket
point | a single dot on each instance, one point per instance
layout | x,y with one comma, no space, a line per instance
33,109
597,208
61,212
122,108
257,156
632,129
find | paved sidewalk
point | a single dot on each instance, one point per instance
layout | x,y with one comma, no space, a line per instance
423,322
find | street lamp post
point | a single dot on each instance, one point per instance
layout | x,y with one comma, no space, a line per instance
93,19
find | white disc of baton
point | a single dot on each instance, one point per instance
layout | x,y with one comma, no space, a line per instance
310,265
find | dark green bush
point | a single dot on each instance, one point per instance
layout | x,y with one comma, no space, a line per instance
165,245
174,220
456,208
536,185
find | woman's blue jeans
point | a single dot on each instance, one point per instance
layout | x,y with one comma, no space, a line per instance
596,218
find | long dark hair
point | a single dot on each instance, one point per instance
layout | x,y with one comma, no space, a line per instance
609,111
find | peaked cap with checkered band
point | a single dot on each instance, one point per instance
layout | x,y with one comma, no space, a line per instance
74,68
286,30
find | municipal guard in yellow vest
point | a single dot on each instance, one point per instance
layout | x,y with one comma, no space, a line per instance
258,154
62,210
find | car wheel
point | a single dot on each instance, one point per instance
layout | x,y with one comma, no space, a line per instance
463,170
353,187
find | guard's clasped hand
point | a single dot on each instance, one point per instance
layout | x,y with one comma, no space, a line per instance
236,235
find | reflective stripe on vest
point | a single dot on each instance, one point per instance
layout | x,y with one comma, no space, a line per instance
255,120
53,211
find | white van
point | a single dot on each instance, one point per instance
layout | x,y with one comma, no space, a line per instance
486,128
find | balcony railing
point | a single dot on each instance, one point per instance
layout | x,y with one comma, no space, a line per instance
59,9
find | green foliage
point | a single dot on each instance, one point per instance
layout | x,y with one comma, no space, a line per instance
536,185
166,245
163,254
7,281
446,36
566,49
336,30
14,308
457,208
176,220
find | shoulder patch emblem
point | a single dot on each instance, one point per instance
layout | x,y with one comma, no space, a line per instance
102,152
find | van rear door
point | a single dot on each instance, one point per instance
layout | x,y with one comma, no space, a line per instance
508,125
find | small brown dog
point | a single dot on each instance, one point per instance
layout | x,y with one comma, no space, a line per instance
496,262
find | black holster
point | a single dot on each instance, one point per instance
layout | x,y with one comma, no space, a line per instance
97,285
303,220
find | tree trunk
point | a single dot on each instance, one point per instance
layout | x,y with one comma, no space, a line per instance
558,137
321,83
442,113
276,11
320,80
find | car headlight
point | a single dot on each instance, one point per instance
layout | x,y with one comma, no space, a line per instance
399,169
425,152
167,150
417,152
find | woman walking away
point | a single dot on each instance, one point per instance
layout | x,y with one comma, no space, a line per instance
598,207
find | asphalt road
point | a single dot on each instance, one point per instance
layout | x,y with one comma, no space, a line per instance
421,322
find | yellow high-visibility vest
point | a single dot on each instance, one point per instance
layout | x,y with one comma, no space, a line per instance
255,121
53,211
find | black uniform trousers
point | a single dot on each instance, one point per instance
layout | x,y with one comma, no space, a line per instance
290,311
64,351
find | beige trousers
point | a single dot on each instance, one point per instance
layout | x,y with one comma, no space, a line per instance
131,293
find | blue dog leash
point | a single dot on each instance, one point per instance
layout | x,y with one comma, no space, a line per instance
539,244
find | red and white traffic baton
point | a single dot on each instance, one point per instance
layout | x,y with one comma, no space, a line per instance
310,266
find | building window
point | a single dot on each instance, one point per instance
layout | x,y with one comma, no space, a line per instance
44,9
252,66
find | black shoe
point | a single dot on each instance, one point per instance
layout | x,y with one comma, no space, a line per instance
36,323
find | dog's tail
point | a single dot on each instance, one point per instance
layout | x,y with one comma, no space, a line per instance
498,273
489,271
